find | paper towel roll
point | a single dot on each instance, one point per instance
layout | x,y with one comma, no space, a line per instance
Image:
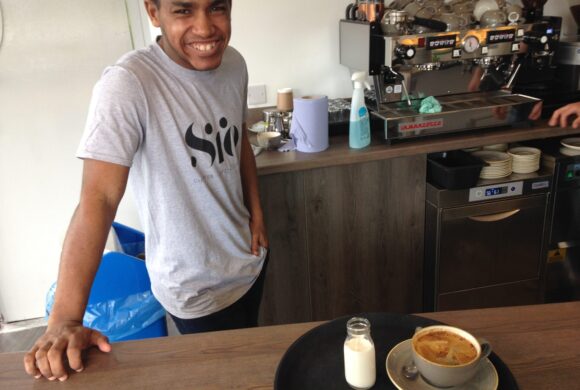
309,128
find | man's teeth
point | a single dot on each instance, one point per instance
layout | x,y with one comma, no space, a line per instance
204,46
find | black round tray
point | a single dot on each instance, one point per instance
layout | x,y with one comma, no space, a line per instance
315,360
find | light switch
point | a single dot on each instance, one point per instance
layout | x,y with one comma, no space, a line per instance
256,94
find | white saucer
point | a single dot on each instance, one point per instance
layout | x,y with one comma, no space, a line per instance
572,143
525,153
493,157
485,379
496,147
258,127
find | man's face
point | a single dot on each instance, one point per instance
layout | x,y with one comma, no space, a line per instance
195,33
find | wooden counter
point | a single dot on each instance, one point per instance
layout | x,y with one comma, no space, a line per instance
540,344
339,153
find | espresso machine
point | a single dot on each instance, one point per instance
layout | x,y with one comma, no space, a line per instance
471,71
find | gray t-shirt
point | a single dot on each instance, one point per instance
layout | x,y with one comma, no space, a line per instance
180,132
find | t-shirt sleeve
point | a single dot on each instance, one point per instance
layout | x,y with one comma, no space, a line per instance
114,130
245,102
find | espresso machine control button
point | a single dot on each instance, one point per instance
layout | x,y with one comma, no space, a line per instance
536,39
405,52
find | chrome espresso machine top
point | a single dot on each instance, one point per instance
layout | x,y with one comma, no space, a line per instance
470,71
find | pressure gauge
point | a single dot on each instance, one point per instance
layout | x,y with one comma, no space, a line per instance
470,44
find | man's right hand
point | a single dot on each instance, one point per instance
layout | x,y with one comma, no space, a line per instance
65,339
562,115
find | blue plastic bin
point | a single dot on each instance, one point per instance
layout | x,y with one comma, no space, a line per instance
121,290
123,274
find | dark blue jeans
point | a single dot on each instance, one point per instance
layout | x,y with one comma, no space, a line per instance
241,314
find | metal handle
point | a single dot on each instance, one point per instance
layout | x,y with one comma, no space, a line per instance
431,23
513,76
351,11
495,217
407,96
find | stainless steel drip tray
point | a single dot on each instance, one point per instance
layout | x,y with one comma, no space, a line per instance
461,112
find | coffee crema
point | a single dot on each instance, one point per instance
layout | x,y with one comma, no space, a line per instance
445,348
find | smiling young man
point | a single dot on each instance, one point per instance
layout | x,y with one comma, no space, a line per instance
170,119
193,39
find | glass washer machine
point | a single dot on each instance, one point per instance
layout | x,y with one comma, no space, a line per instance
486,246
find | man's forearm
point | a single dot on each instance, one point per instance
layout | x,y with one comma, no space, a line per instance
80,259
103,188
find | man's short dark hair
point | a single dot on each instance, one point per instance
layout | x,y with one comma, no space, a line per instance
156,2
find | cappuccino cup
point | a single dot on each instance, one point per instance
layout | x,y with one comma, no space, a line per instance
446,356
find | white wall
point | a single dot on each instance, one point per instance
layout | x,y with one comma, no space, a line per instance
51,55
292,44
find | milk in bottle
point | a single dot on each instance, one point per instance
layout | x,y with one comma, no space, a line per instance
359,354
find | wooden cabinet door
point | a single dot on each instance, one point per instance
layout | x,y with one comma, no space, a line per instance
286,297
365,237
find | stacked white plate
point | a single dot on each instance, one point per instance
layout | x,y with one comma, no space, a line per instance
569,151
525,159
499,164
497,147
570,146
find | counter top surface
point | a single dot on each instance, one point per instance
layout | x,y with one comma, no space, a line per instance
540,344
271,162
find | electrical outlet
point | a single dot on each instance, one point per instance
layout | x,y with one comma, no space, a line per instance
257,94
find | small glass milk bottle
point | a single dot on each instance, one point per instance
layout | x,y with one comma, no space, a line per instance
359,354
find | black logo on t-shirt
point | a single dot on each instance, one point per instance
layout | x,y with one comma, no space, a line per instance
226,144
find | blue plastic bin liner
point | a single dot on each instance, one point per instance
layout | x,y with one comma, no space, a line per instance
119,318
121,304
132,241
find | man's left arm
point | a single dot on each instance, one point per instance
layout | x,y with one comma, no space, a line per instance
249,176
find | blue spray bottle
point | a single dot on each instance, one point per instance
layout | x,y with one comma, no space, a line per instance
359,134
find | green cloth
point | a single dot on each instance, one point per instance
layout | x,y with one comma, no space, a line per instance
430,105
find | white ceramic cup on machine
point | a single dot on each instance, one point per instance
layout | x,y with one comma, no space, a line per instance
493,18
483,6
514,13
413,8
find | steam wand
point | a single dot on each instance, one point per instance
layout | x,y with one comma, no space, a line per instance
513,76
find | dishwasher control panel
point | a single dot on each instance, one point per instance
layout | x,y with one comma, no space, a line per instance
496,191
572,172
